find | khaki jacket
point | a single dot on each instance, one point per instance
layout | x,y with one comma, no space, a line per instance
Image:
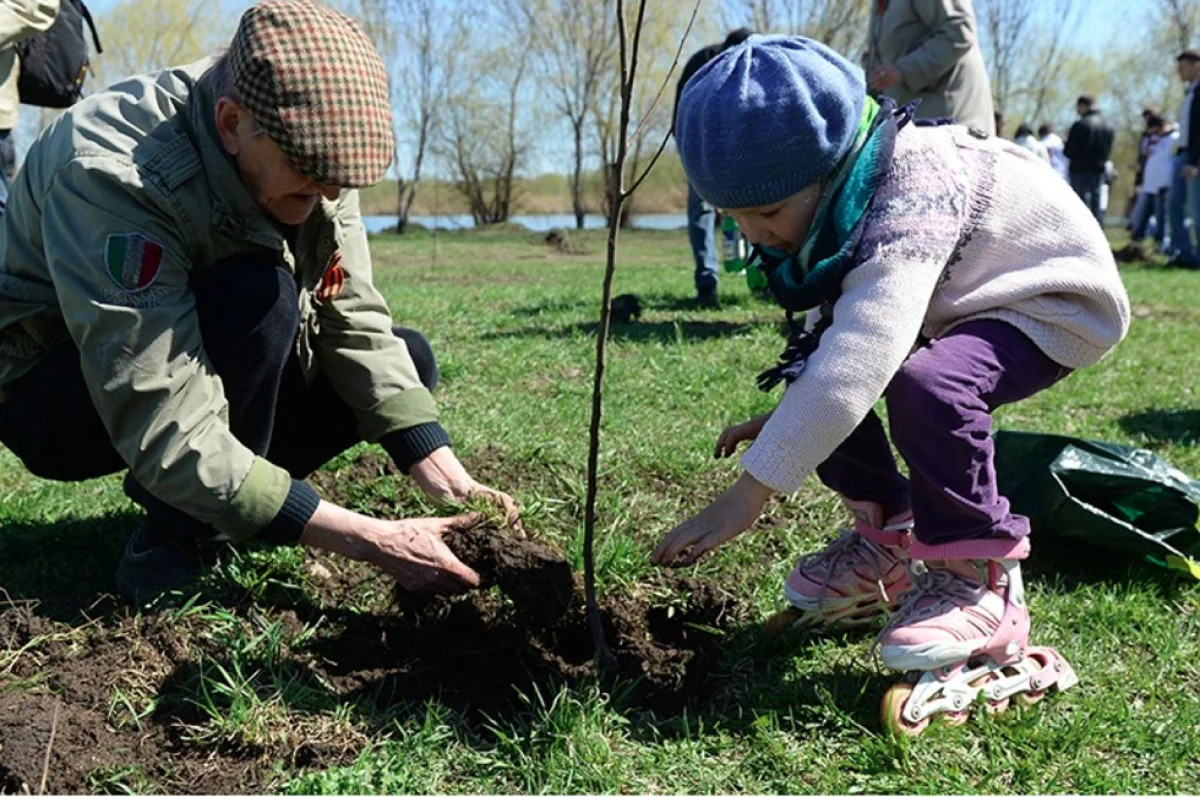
19,19
142,158
933,44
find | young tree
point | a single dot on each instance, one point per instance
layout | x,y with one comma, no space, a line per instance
665,34
1182,19
574,42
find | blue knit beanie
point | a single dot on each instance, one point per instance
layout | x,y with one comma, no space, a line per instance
767,118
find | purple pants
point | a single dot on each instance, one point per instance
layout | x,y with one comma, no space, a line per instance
939,407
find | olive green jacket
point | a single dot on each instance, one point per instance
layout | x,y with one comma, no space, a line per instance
139,167
19,19
933,44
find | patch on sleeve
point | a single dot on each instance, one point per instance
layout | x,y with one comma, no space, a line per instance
132,260
333,280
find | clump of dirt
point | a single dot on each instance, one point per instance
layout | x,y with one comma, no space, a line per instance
534,576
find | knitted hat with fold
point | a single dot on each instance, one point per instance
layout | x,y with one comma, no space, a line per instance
767,118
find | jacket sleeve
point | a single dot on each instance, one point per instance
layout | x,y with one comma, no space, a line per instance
953,35
20,19
121,275
369,367
1193,142
1071,148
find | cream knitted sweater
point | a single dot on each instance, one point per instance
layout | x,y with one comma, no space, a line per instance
964,228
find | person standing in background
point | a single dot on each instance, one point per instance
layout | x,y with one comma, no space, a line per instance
928,50
1184,185
19,19
1054,146
1089,145
702,217
1026,139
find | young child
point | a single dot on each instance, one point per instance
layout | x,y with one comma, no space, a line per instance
946,270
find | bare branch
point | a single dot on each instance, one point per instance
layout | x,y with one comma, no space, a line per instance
637,131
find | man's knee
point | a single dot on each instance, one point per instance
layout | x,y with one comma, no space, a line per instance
248,309
422,356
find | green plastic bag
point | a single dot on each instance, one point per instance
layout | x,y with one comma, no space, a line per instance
1102,496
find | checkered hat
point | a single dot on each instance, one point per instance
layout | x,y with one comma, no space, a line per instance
315,83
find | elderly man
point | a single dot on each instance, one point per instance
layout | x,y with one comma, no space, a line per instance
185,292
928,50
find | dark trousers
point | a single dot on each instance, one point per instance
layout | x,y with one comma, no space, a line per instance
249,319
1087,186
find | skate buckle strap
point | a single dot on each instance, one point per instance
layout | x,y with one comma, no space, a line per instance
896,535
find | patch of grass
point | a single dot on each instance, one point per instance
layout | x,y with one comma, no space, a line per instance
512,322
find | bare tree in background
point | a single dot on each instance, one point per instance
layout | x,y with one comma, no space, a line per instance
422,46
1183,20
841,24
574,41
1024,43
147,35
483,136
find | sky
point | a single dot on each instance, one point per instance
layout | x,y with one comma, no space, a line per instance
1102,22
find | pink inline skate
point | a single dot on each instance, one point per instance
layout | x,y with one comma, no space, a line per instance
855,578
962,634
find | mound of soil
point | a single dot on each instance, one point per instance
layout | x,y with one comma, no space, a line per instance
61,687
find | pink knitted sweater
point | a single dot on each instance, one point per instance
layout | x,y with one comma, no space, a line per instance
964,228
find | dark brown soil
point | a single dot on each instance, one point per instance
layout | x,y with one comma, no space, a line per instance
474,654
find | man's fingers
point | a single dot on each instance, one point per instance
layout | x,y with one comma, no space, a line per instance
464,522
464,575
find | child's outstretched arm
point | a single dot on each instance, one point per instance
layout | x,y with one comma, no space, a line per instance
725,518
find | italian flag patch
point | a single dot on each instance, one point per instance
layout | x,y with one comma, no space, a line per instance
132,260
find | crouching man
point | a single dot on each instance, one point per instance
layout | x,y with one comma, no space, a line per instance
186,293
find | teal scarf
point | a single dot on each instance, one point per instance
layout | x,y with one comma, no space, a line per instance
813,278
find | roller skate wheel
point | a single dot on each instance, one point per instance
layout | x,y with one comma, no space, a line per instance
782,621
1029,698
997,706
955,718
891,712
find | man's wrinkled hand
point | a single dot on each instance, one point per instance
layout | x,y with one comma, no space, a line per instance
884,77
725,518
443,478
413,553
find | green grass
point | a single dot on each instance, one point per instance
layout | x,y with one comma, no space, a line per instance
512,322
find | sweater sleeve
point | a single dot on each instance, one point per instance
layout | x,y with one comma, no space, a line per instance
907,244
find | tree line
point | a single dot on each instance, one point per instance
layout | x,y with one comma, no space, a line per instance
488,91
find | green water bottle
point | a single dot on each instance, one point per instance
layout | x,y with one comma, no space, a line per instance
734,246
756,280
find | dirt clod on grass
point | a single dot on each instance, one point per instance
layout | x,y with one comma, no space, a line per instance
145,702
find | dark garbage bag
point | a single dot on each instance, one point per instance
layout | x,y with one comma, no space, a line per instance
1089,495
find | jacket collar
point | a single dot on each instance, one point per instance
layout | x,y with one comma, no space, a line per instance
235,212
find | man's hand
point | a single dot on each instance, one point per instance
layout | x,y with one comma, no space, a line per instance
727,443
410,551
1189,172
884,77
723,519
443,478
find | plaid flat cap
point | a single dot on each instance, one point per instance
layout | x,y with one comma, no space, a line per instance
315,83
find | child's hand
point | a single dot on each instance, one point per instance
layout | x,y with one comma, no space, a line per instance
727,443
723,519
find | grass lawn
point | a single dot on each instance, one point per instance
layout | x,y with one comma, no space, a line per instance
247,686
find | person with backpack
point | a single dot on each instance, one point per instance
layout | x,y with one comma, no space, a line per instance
18,22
